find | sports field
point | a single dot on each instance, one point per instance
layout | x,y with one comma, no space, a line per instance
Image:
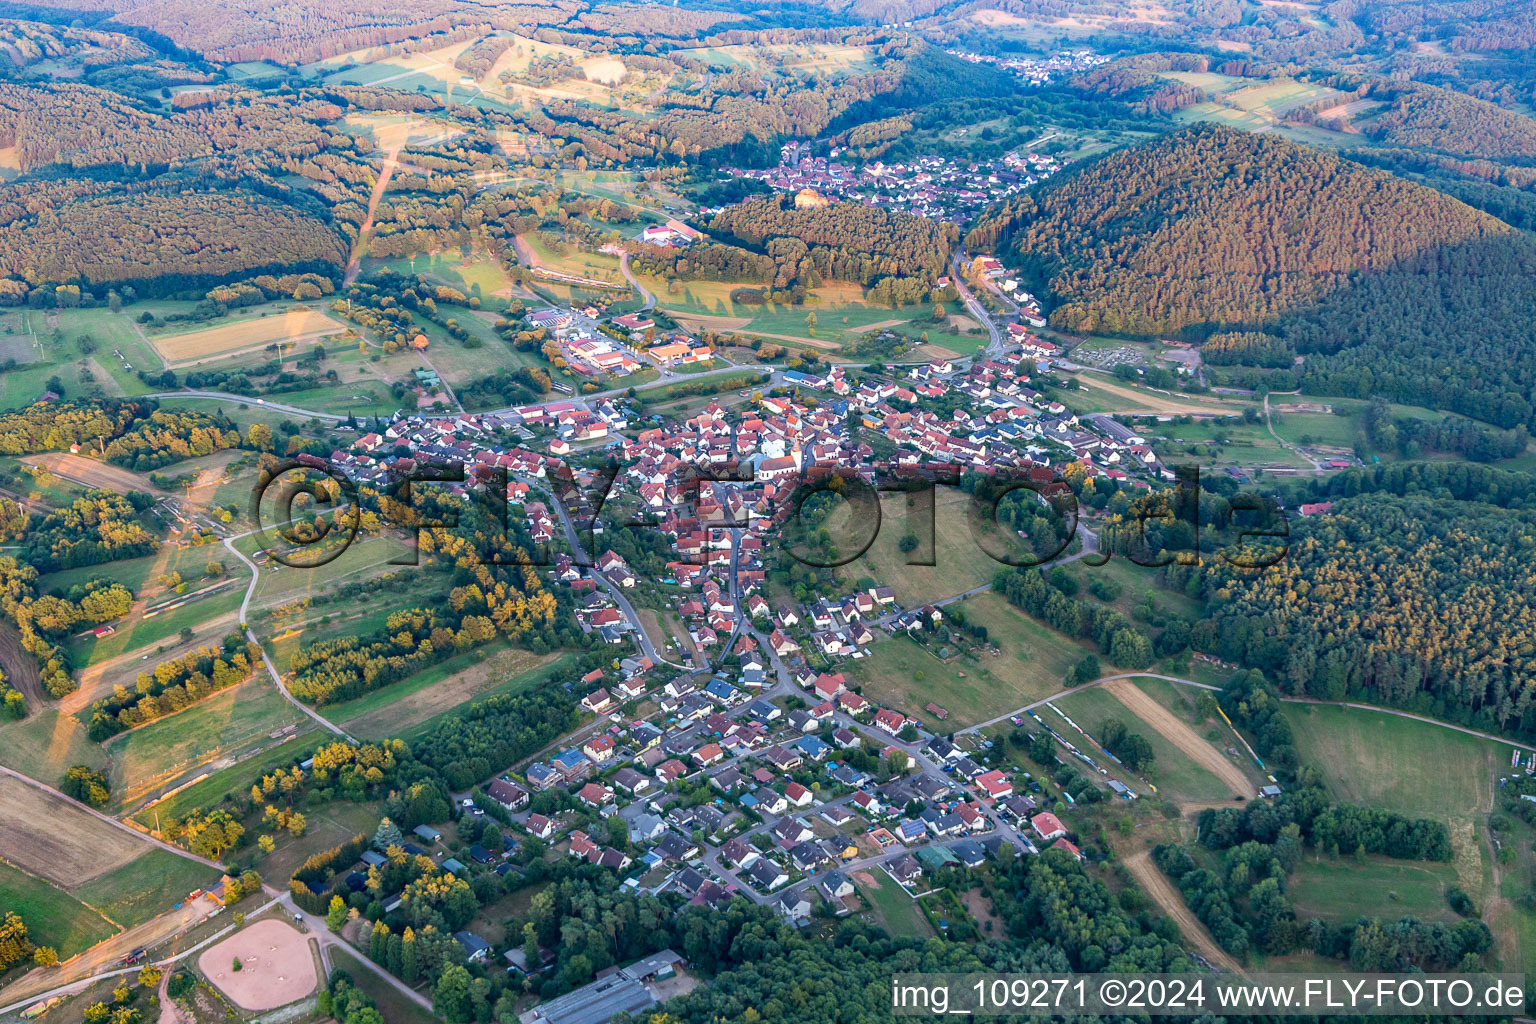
256,332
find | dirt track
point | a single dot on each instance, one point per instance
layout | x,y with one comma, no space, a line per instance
1180,735
105,955
1172,903
92,472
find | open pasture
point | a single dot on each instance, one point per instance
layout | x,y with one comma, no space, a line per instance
1383,760
1030,665
54,918
150,884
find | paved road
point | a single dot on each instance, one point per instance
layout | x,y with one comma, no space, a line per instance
69,988
650,300
224,396
977,310
625,608
250,634
323,937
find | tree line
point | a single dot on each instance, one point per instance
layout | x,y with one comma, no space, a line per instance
174,685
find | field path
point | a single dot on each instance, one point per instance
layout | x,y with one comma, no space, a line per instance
1180,735
650,300
391,159
1172,903
1496,907
246,400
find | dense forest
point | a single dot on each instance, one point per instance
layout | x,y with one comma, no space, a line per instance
1426,116
839,241
1416,601
1390,287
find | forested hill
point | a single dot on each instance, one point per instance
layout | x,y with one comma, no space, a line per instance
1395,288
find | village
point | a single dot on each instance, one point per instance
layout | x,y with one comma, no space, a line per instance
740,760
1038,70
931,186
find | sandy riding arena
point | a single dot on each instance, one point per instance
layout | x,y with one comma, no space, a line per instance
277,966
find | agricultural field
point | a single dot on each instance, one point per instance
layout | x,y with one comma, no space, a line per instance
505,86
901,674
56,839
54,917
1254,105
90,473
395,131
290,328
